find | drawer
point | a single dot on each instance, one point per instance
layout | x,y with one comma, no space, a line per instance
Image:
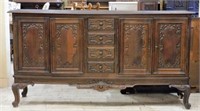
101,53
100,38
101,24
101,67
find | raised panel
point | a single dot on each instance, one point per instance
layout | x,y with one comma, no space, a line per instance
101,67
101,24
136,46
170,46
101,38
33,46
101,53
66,45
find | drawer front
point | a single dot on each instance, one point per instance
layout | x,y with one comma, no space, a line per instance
101,39
101,67
101,24
106,53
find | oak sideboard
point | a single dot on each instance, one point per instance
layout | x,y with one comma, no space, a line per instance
101,49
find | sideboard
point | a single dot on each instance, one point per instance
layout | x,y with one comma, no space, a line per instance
101,49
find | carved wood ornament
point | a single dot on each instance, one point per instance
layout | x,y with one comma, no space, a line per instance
66,45
135,40
170,45
34,47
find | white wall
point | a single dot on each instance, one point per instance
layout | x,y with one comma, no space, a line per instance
4,44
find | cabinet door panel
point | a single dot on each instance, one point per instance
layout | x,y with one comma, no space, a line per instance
33,47
136,46
66,45
170,46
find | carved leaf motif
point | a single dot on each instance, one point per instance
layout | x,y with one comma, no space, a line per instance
101,39
66,45
101,53
135,46
101,67
101,24
34,44
170,45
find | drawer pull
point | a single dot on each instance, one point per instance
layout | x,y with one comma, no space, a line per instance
101,52
101,38
100,66
101,24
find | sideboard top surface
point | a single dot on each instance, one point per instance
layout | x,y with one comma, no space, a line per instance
99,12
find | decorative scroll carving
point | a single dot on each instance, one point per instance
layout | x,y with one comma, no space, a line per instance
103,67
101,24
101,39
34,44
98,84
101,53
66,45
135,46
169,45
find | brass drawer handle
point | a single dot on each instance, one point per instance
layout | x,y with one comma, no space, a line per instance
101,24
100,66
100,38
101,52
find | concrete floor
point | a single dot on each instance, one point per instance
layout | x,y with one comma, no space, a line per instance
68,98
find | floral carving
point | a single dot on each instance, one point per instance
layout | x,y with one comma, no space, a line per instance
101,24
107,67
66,45
101,39
135,45
169,45
34,44
101,53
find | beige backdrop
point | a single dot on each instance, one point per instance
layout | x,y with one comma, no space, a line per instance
4,44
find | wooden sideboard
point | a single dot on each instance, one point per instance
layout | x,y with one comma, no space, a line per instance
101,49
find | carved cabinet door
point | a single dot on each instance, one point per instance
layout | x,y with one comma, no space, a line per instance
171,46
135,55
31,45
66,50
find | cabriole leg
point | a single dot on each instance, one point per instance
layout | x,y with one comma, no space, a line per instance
186,90
15,89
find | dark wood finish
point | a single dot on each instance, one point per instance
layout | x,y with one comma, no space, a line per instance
66,43
170,44
136,37
194,55
33,48
101,49
15,89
